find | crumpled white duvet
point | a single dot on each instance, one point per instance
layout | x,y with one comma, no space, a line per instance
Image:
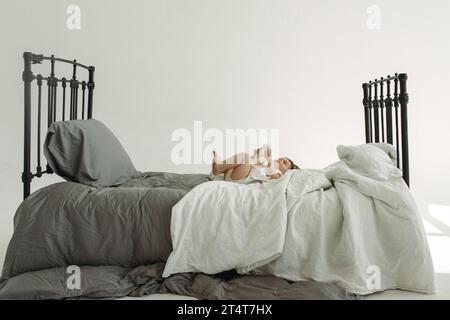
353,223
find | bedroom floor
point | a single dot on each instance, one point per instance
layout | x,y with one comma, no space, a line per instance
439,240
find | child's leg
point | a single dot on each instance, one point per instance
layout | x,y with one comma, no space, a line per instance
237,173
241,170
219,167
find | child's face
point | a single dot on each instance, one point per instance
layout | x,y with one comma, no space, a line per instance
283,164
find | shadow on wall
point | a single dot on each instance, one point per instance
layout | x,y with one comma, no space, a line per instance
437,227
438,220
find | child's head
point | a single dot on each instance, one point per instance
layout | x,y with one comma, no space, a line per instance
285,164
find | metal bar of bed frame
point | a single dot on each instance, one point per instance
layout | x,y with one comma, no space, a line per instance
52,82
398,104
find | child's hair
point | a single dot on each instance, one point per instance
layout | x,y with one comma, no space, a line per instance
293,165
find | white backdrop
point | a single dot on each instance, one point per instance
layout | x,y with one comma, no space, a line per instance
296,66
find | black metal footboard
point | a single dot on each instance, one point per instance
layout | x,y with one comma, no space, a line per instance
55,110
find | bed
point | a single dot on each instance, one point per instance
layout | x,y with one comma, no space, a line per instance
124,237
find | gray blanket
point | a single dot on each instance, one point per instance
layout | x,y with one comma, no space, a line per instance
115,282
120,238
70,223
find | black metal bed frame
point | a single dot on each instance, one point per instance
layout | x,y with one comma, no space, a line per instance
52,86
386,116
378,111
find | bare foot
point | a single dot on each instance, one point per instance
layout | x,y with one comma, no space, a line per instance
214,166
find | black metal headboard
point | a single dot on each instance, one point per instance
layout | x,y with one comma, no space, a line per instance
386,116
52,106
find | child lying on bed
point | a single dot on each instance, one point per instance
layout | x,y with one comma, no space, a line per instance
244,168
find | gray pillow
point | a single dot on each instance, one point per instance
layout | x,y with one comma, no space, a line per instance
86,151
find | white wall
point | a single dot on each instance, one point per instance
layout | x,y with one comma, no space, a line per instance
292,65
